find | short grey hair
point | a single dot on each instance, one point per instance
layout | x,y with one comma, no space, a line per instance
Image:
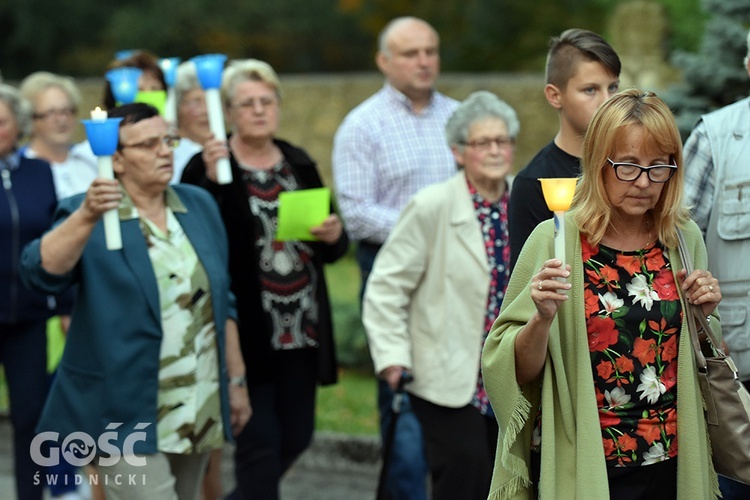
479,106
385,33
39,81
242,70
186,79
20,108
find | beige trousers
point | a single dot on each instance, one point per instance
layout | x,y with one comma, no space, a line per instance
165,476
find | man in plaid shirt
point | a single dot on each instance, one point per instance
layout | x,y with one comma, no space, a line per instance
387,148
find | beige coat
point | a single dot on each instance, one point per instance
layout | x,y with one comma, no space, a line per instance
426,297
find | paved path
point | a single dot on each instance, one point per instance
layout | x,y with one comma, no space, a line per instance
336,467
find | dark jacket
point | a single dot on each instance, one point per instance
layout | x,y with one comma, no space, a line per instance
27,202
254,325
109,371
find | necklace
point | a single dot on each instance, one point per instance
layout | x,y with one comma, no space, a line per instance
648,229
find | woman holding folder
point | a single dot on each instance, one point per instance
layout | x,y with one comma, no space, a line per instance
284,313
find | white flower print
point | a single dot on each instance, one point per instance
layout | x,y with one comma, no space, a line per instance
642,292
655,454
650,385
536,437
610,302
617,397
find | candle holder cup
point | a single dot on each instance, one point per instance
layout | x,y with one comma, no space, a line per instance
103,135
124,83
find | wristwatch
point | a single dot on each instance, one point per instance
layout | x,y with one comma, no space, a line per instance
239,381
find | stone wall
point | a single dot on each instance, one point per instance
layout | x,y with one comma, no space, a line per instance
639,32
315,105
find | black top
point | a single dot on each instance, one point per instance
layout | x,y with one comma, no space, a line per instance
255,332
527,207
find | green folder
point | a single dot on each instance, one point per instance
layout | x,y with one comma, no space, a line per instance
301,210
156,98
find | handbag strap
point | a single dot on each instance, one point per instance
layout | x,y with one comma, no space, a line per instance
694,315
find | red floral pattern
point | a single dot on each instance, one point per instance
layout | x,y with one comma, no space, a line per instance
633,316
493,221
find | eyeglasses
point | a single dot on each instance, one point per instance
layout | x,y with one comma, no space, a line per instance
485,143
264,102
57,112
194,103
629,172
153,144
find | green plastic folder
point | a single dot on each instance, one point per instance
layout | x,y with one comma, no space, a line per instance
156,98
301,210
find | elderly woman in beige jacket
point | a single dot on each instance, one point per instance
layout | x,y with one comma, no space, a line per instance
435,289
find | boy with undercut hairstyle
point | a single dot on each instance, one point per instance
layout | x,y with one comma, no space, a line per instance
582,72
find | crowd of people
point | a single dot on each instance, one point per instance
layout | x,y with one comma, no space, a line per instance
529,374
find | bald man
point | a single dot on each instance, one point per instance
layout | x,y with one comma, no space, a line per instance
387,148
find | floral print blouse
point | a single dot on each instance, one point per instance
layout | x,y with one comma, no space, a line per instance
633,318
493,221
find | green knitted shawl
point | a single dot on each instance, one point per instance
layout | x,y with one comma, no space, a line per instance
573,465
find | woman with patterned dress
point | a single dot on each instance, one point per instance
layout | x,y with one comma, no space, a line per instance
593,379
286,327
152,371
435,289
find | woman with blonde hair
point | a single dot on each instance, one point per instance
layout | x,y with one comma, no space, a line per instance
285,320
585,375
55,100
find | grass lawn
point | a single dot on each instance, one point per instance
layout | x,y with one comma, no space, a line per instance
348,407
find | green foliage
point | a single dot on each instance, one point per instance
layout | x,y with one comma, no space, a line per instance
350,406
687,20
714,76
294,35
343,282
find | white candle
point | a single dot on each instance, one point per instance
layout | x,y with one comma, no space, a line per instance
560,242
170,109
99,114
558,193
216,124
111,218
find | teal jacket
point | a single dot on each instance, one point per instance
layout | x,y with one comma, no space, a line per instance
109,370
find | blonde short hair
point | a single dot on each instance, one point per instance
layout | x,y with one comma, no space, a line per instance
38,82
242,70
186,79
611,121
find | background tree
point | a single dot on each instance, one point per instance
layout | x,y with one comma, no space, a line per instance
80,37
714,76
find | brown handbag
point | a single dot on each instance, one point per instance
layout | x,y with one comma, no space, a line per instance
725,399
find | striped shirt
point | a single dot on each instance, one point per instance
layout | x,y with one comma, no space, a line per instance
699,175
383,153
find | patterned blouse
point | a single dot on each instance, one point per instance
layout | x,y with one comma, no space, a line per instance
287,276
633,319
189,409
493,221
